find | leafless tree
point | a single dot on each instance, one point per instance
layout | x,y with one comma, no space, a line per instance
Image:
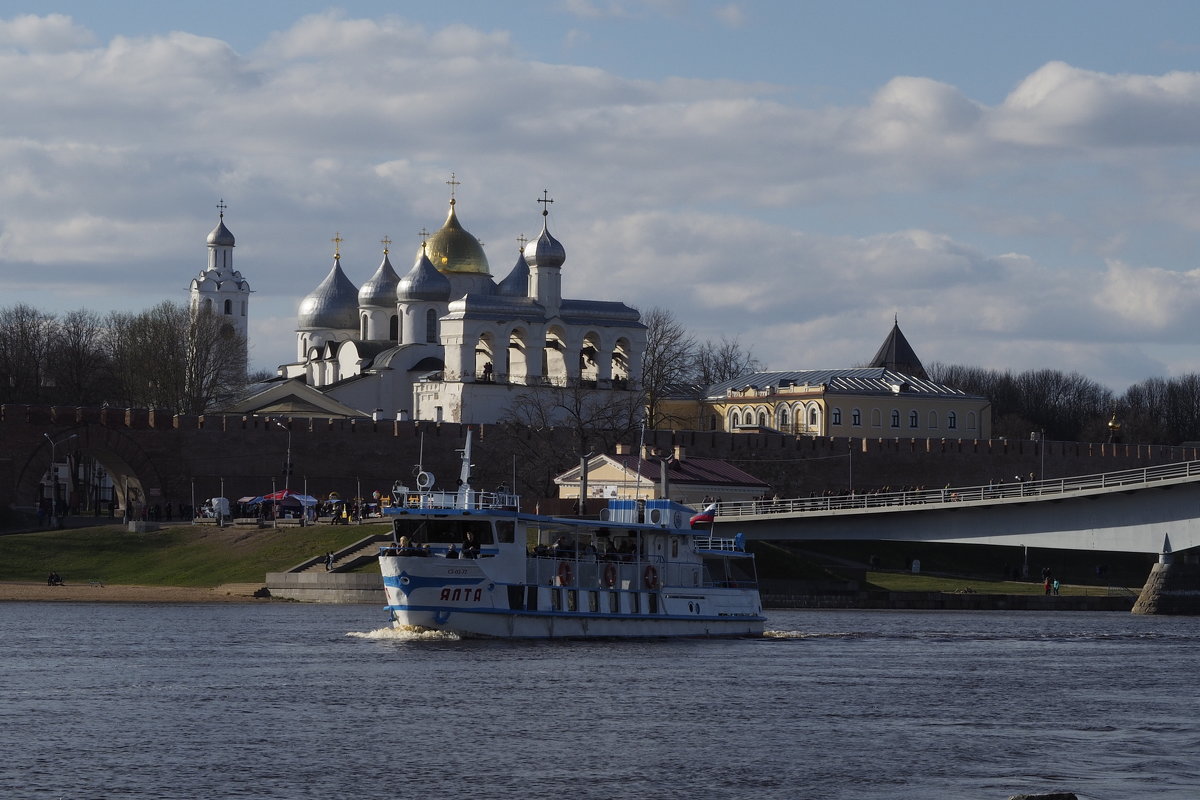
169,357
26,340
723,361
551,427
668,364
78,365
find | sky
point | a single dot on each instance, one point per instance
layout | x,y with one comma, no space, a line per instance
1015,182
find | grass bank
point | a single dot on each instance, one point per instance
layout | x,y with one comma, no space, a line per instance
179,555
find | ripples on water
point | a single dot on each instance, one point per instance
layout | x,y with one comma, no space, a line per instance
298,701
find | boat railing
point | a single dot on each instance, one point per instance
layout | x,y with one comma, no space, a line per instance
716,543
446,499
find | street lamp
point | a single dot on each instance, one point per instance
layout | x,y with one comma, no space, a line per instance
287,468
55,520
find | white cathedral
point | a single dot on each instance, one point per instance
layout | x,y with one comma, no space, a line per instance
445,342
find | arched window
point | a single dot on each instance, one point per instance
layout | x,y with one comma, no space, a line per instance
814,417
951,420
783,419
228,306
933,420
208,305
876,418
895,418
394,328
914,419
431,326
970,420
735,419
835,417
362,327
243,308
762,419
856,418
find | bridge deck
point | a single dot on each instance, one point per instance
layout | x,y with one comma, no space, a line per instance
1146,510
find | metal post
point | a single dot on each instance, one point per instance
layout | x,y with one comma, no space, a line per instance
55,520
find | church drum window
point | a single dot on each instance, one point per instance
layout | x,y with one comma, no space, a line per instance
431,326
951,420
914,419
895,418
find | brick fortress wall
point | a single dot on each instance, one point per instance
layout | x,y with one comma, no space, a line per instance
170,454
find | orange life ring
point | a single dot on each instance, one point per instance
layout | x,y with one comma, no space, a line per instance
610,575
564,574
650,577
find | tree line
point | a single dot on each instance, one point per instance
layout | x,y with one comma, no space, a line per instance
163,357
168,357
1067,406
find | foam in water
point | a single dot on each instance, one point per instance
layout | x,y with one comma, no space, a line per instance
408,633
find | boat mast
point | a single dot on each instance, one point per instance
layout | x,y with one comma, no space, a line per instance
464,475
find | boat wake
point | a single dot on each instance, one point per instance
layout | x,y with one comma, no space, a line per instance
408,633
786,635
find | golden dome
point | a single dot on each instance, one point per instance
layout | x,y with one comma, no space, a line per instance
452,249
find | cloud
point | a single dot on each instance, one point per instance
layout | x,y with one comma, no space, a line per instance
53,33
1000,234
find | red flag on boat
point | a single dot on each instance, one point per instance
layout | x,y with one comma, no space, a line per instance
706,516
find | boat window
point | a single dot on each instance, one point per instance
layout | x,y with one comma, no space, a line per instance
593,601
674,547
634,602
443,531
614,602
505,531
572,599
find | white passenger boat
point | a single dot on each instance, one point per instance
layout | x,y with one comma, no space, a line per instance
471,563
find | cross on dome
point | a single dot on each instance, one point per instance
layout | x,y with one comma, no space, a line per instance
545,201
453,184
337,244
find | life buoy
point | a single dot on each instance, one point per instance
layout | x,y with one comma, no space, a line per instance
650,577
610,575
564,574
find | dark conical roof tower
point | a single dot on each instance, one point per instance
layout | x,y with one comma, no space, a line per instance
897,354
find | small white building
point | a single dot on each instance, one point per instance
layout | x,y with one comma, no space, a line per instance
693,481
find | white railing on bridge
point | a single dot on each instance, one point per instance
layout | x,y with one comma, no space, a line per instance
994,491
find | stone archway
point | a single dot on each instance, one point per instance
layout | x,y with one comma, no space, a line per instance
136,480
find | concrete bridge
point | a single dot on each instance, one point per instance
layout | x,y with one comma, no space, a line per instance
1146,510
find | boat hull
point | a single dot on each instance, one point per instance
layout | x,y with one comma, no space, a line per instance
441,595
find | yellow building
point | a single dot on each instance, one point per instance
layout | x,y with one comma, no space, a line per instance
893,397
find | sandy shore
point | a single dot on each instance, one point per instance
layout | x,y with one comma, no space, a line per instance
87,593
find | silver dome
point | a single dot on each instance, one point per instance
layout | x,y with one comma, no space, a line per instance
516,283
423,282
333,304
545,251
220,236
380,288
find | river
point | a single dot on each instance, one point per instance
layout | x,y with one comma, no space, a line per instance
315,701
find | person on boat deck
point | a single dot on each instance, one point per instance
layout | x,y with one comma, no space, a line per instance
452,551
561,545
470,546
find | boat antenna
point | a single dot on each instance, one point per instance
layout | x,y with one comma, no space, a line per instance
637,487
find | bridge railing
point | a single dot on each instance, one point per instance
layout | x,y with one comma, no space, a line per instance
994,491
